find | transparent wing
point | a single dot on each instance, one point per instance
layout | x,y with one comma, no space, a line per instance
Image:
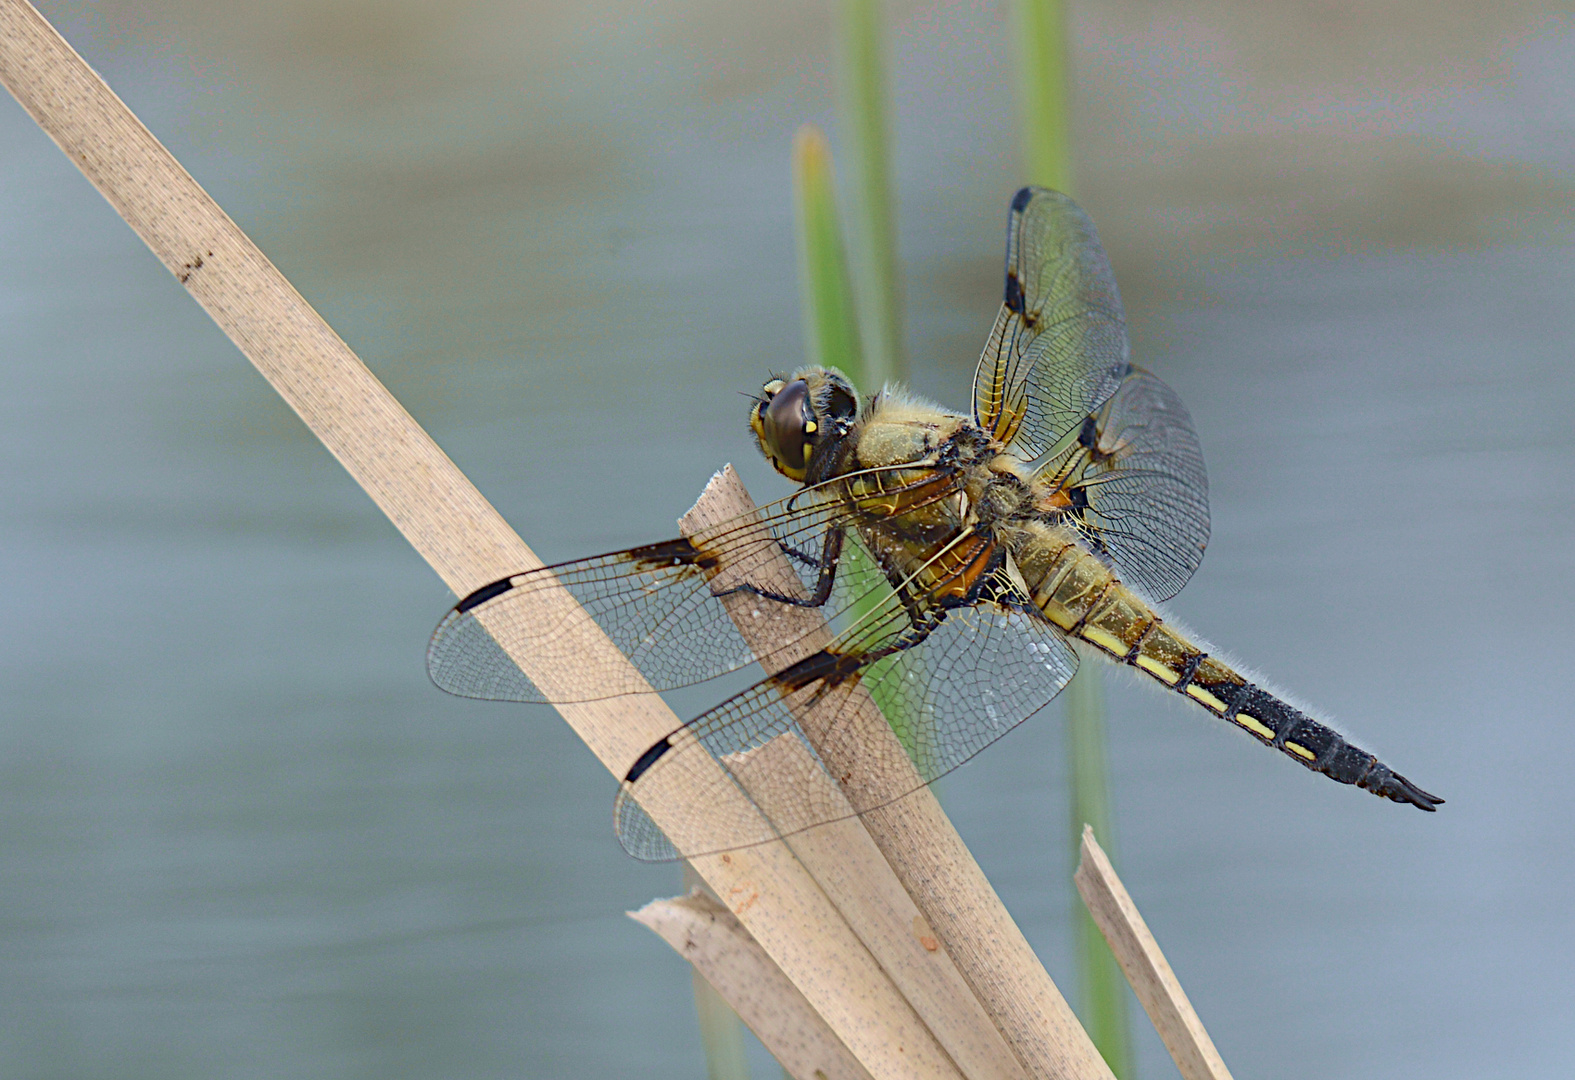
1133,481
656,602
1059,346
811,745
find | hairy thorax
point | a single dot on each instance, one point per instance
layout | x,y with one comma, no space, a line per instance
900,430
938,494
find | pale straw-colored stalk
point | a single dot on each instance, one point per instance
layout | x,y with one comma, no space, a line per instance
721,1030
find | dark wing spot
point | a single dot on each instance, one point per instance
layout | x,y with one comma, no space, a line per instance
485,593
1020,200
647,759
670,553
1014,292
827,665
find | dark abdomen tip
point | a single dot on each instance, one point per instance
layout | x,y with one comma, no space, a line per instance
1384,781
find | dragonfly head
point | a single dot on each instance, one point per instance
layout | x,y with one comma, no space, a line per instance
794,417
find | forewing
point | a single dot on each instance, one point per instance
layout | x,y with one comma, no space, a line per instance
831,753
656,603
1135,484
1059,345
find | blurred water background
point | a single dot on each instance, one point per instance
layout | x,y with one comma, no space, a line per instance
242,836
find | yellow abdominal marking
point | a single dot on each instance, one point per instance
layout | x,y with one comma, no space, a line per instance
1057,614
1252,724
1208,699
1081,595
809,426
1164,674
1105,640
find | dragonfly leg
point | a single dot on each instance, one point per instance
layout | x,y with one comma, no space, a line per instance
920,625
831,666
803,558
826,564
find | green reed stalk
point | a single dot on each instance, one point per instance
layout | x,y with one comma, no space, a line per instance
1104,988
1047,157
831,328
831,332
721,1031
862,97
1042,94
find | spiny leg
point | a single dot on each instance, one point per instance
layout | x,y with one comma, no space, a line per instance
831,552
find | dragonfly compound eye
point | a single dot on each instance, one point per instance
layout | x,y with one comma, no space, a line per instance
786,427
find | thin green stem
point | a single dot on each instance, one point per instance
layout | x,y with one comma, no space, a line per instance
1042,93
863,106
1104,988
831,331
1047,159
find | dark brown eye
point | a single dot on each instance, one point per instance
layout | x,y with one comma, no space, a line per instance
785,420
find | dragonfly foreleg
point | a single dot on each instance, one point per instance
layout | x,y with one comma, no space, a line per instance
803,558
826,567
920,625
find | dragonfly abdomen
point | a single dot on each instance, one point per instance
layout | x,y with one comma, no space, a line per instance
1080,594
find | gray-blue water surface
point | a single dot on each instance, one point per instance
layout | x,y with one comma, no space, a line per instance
240,833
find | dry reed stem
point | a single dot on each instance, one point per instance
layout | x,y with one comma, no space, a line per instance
705,933
1145,966
436,508
850,868
917,840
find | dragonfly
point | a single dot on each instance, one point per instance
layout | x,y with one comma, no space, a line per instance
962,564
